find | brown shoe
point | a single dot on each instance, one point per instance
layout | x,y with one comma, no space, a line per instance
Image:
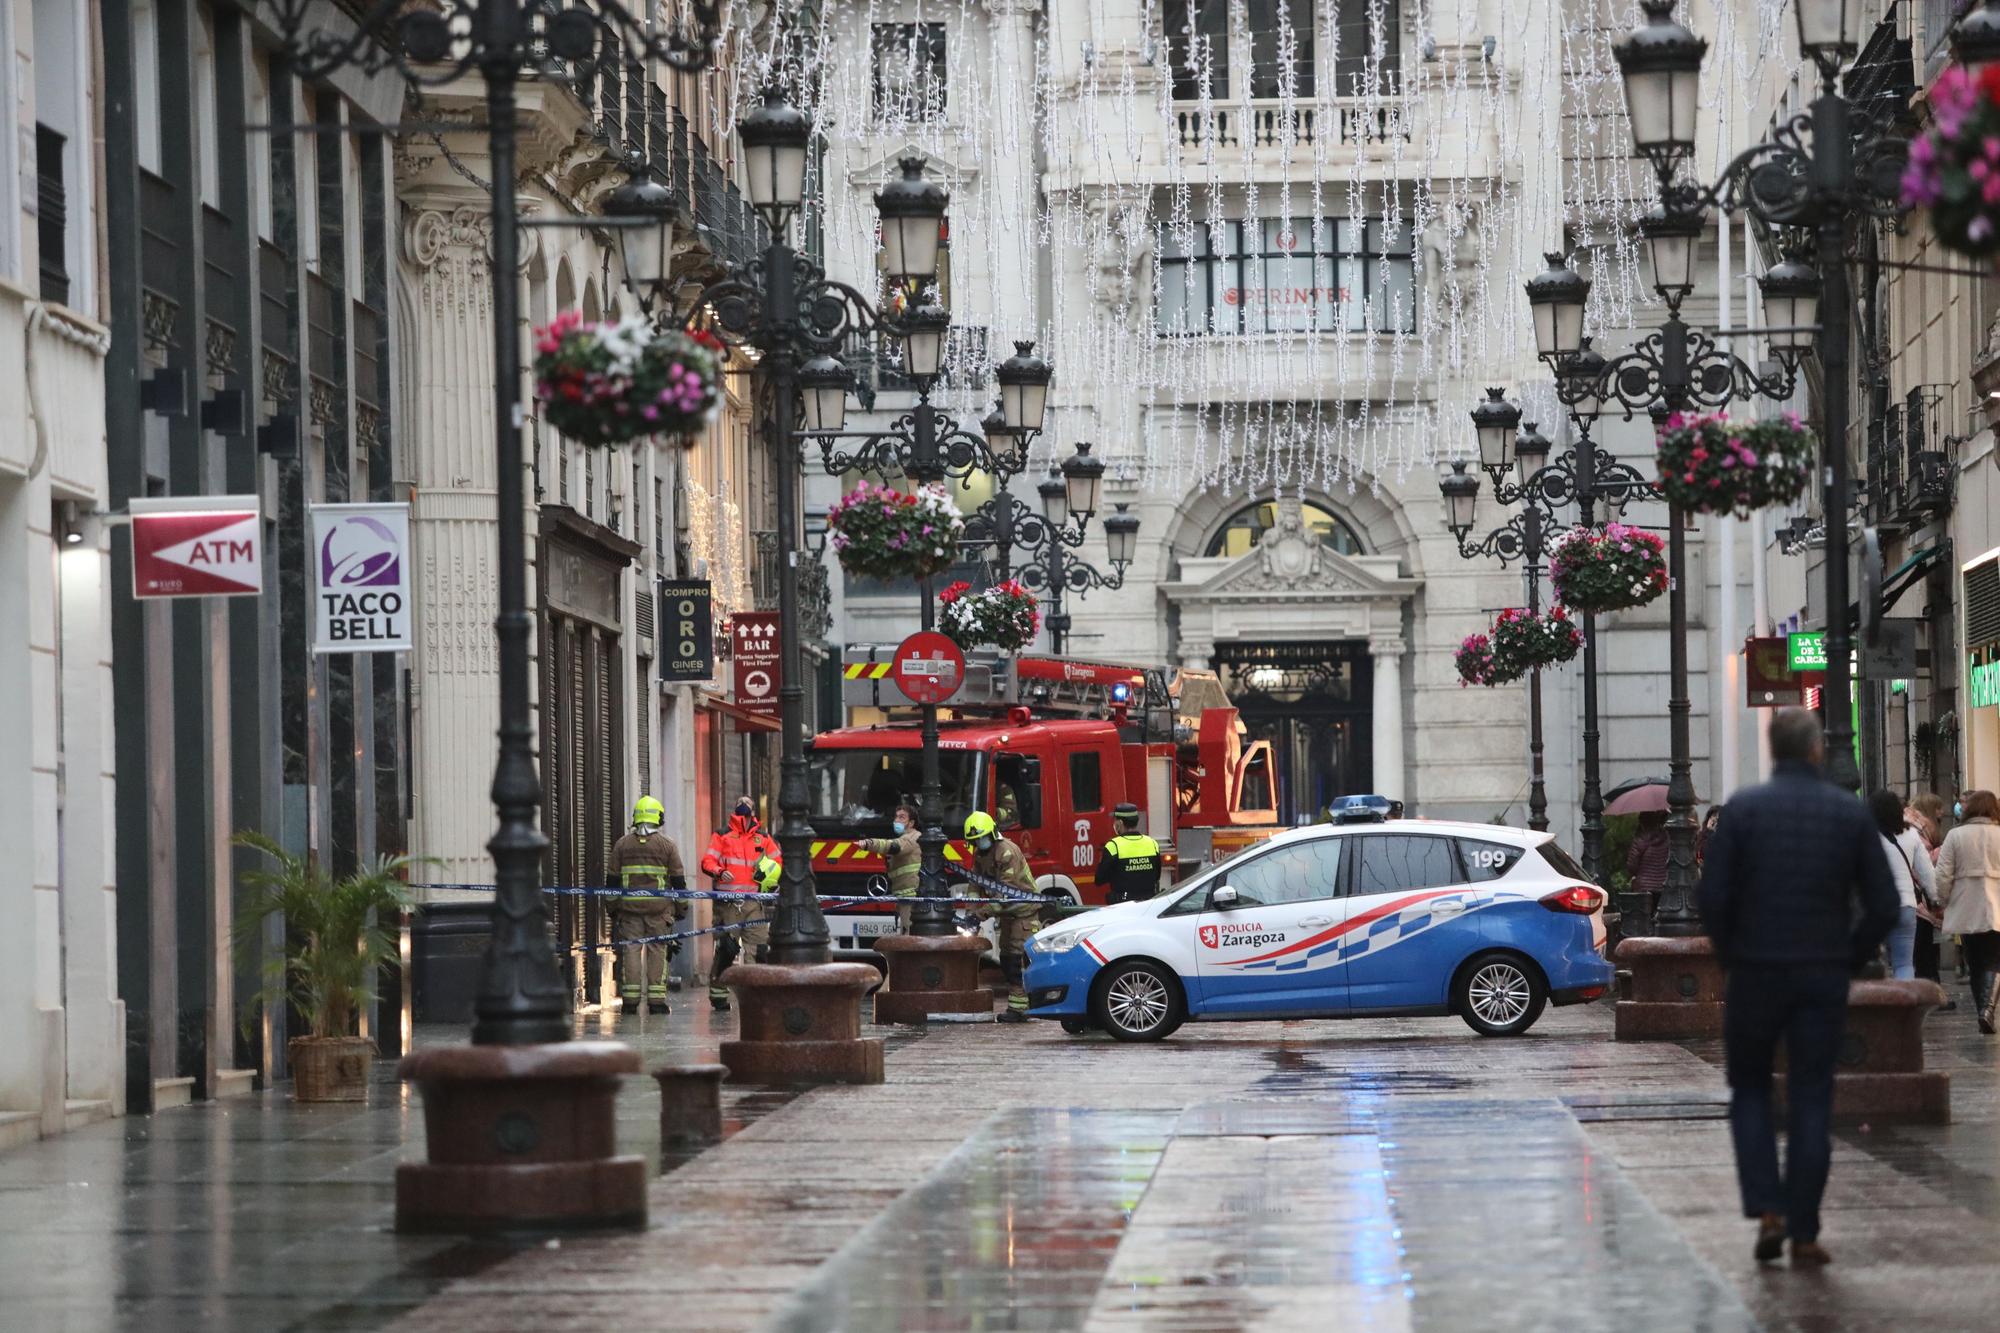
1809,1254
1770,1238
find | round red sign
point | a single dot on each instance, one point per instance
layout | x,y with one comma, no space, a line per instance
928,667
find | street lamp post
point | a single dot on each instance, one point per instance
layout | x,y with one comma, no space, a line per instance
1051,539
522,1080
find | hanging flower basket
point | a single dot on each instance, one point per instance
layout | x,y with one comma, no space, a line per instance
1523,640
1710,465
885,534
1954,166
609,384
1476,664
1608,568
1004,616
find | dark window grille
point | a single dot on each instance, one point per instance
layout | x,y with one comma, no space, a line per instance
52,219
909,70
1982,605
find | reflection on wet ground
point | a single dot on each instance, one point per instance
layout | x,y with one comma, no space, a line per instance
1392,1174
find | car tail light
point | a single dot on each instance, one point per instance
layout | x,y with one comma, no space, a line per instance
1579,898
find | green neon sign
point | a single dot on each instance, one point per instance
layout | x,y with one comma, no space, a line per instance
1983,684
1806,651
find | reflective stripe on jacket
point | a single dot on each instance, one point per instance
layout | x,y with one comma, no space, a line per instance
906,861
733,854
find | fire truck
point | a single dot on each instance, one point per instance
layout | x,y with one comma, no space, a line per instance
1048,746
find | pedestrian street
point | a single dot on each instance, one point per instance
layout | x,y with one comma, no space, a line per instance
1393,1174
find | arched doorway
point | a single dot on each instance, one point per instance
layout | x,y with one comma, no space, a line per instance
1312,701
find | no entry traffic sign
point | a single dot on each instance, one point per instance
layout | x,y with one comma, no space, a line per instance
928,667
197,546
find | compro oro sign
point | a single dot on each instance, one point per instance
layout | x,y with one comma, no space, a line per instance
197,546
361,578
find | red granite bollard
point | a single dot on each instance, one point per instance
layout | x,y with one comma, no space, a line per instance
801,1024
521,1138
690,1104
1676,989
932,974
1881,1074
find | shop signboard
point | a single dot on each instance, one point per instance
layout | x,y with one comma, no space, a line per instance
687,639
361,570
1806,651
755,646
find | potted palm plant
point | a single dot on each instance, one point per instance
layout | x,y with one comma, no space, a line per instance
337,939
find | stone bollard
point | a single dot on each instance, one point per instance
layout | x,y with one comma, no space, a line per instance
801,1024
690,1105
1881,1074
1676,989
932,976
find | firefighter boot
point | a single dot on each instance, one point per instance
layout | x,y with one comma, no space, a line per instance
726,950
1016,1011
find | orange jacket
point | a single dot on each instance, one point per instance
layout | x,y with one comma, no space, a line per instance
731,858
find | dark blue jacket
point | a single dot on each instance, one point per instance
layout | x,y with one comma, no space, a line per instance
1786,866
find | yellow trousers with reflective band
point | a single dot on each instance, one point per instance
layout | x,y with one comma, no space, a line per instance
1017,921
636,919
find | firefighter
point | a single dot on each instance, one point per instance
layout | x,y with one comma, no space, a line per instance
995,857
1129,866
645,858
731,863
904,858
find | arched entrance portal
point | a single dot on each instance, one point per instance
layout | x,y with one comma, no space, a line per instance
1313,702
1307,634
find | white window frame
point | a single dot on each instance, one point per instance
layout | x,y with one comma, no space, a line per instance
146,84
10,168
79,184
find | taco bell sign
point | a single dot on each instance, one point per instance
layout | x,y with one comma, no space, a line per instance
361,570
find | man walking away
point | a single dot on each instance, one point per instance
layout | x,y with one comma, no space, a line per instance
1129,866
905,862
645,858
731,863
1968,884
1785,867
996,858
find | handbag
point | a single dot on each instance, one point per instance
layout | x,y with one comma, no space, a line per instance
1927,908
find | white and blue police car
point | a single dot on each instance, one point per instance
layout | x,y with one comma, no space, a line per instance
1398,918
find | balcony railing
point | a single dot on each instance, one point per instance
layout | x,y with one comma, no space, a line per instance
1909,458
1352,122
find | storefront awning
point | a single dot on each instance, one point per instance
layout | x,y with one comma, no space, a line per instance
1901,579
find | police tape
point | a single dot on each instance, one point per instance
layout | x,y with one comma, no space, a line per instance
1004,891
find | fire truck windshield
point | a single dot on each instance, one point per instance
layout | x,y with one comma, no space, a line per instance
857,791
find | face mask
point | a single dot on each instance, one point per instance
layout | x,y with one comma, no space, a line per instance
1957,810
744,809
984,845
646,830
900,827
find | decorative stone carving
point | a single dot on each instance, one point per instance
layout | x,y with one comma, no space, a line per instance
277,389
323,402
367,428
453,254
220,348
157,314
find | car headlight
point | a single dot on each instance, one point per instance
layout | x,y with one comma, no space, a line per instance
1064,940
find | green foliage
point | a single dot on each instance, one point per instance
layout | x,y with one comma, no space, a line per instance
337,936
1619,830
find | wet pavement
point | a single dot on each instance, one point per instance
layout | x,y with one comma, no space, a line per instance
1397,1174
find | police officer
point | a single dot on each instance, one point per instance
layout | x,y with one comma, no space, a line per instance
905,861
645,858
734,862
994,857
1129,867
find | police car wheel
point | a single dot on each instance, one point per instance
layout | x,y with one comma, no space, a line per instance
1137,1001
1499,995
1076,1027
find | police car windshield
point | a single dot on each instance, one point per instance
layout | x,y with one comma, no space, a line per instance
857,791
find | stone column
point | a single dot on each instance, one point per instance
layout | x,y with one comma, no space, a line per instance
448,365
1387,655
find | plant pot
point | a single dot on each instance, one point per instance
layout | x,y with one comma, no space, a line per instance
330,1069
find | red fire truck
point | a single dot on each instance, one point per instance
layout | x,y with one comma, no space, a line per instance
1048,746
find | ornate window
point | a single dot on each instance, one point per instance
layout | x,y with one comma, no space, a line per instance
1285,275
1248,526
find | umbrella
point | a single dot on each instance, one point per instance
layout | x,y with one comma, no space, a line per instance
1640,798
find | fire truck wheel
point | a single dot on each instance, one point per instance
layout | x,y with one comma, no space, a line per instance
1137,1000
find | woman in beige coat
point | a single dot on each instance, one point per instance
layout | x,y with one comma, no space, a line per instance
1968,884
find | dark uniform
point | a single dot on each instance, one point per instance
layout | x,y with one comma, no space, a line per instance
1129,868
644,859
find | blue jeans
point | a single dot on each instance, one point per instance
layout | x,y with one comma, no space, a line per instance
1903,945
1804,1005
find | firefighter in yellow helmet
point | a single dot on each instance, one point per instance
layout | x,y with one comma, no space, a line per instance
644,859
995,857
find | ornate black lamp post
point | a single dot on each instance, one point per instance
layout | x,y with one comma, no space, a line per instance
1069,499
486,1107
925,445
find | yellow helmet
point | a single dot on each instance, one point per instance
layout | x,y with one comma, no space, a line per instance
767,871
978,825
646,810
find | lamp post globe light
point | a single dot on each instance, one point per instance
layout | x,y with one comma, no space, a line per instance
1050,539
1660,63
521,1071
911,210
1556,298
1024,388
1495,421
776,137
644,210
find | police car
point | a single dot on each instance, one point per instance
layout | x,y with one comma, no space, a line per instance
1404,917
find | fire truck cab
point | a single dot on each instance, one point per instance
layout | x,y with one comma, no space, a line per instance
1049,747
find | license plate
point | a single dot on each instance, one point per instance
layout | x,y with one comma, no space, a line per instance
864,930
